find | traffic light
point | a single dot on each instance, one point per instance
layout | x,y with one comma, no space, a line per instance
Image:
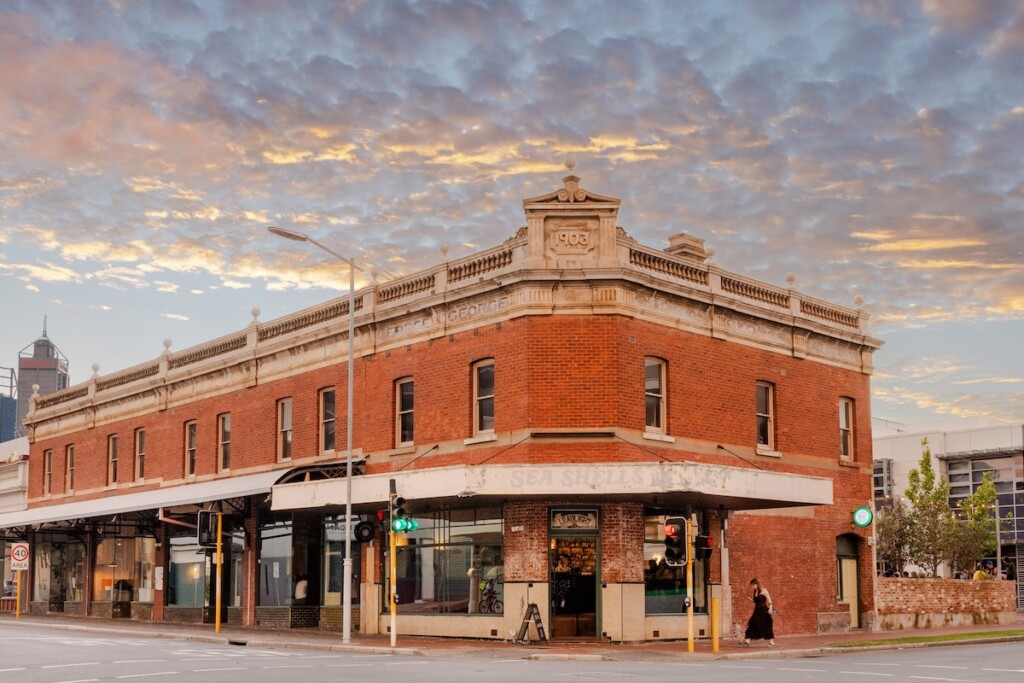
401,520
702,547
206,531
675,541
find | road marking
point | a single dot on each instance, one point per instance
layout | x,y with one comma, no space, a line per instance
20,668
61,666
806,670
1016,671
866,673
939,666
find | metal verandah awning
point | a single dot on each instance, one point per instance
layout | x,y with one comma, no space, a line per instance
185,494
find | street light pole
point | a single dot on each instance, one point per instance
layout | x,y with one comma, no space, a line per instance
346,620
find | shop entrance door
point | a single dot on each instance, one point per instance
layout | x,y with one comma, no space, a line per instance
574,582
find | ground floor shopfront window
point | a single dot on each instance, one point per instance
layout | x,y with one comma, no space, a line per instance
187,584
664,585
452,564
302,562
58,573
124,570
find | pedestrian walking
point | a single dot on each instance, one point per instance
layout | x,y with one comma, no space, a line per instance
760,624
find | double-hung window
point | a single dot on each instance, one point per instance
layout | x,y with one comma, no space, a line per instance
483,397
327,420
112,444
69,468
765,416
47,472
284,429
140,454
224,441
846,428
191,436
404,396
654,395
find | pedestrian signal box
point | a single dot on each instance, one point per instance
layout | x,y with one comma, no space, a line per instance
702,547
675,541
206,532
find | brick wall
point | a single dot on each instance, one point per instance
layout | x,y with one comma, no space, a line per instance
928,603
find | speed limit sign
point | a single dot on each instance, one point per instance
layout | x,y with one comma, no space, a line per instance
19,556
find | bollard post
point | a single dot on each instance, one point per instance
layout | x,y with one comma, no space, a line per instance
714,624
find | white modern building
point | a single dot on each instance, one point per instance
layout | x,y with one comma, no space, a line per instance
963,450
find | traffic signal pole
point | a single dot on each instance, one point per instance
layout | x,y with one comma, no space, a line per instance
691,525
220,578
393,567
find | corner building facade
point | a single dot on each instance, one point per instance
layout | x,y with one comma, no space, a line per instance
543,406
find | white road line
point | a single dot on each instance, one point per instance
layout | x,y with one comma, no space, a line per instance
866,673
939,666
20,668
289,666
63,666
1015,671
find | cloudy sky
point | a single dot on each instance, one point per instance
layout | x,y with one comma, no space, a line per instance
870,148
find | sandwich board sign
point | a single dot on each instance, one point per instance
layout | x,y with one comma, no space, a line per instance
19,556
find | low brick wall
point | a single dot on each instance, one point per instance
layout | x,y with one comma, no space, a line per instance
933,603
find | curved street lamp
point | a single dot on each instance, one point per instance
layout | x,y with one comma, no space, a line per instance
346,628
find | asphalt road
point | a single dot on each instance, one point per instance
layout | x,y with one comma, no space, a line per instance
33,654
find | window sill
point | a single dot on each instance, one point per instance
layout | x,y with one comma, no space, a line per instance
480,438
848,462
655,436
404,449
767,452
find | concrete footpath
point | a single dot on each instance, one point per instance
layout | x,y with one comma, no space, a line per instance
785,646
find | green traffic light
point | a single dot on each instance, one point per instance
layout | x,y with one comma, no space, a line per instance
405,524
412,525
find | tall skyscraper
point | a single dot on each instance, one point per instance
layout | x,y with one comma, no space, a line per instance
42,363
8,405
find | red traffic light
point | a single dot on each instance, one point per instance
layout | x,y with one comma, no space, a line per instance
674,530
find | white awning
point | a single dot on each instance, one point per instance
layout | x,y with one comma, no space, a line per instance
184,494
735,488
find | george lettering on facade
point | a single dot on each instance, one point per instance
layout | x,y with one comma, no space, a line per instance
407,327
477,309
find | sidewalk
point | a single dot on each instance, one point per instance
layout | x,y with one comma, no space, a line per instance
786,646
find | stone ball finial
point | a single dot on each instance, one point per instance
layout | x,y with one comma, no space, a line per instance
95,369
570,164
444,250
709,252
255,313
374,273
35,389
859,300
790,279
167,345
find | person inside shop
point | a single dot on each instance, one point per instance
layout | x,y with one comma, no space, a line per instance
301,589
563,580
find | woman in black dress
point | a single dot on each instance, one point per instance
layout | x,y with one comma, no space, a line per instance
760,624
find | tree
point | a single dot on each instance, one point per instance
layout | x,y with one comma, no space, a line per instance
973,534
892,535
931,523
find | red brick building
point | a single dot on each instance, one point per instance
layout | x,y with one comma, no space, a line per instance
543,406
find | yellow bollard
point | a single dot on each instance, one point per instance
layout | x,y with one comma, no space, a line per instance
714,624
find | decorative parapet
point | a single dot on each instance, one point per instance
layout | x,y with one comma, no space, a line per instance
829,313
755,292
64,396
668,266
207,351
406,288
477,267
128,376
309,318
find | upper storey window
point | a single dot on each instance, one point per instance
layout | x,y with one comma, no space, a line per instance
191,436
846,428
69,468
483,397
112,446
140,454
327,420
765,416
654,395
284,429
224,441
404,402
47,472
